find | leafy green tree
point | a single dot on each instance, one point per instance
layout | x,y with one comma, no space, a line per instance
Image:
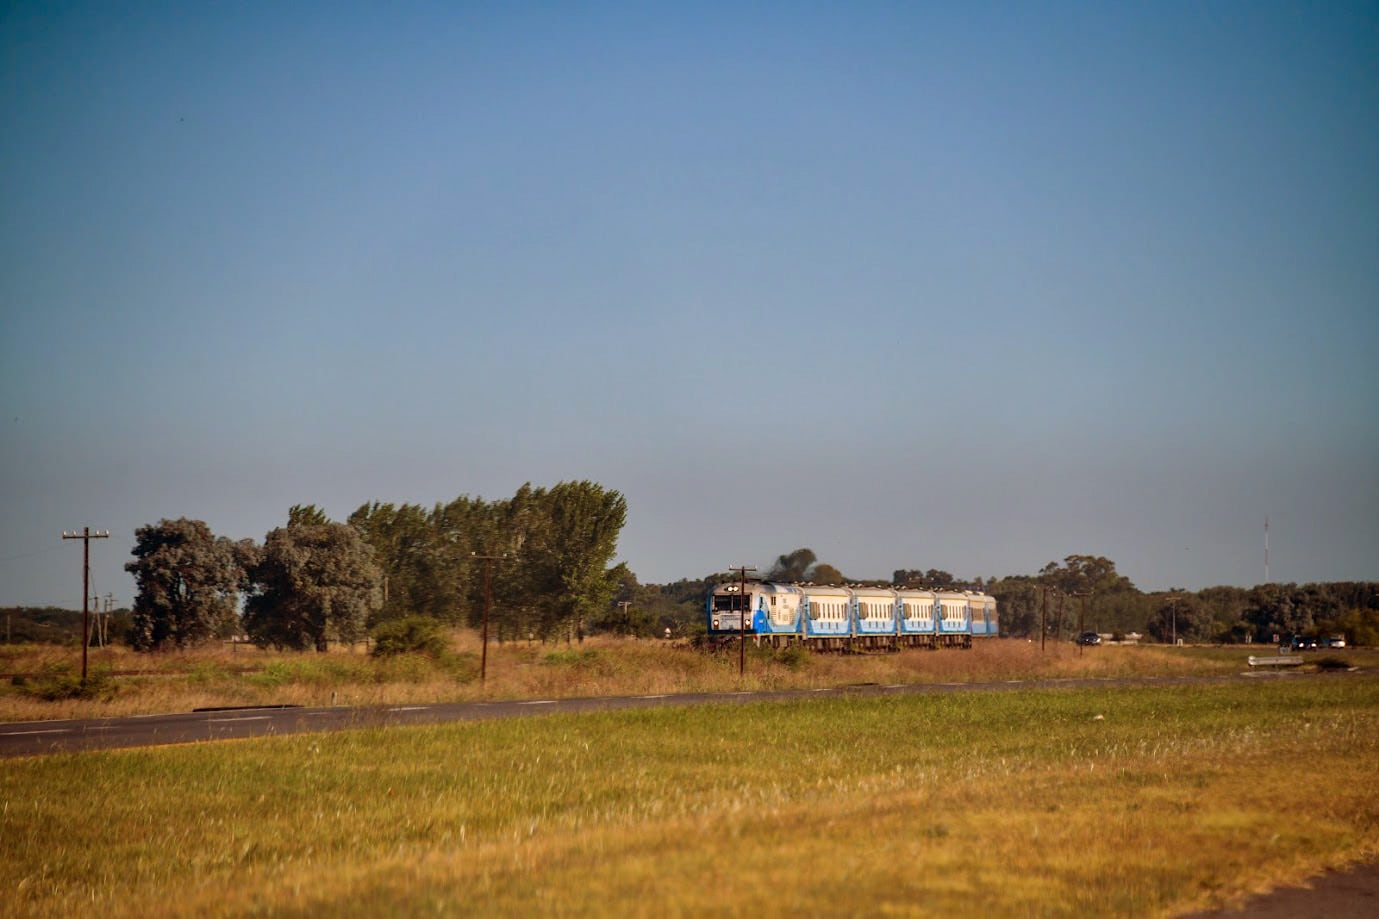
188,583
524,583
1018,600
579,537
1092,574
679,605
410,635
300,515
1359,626
793,566
636,609
556,544
312,582
826,574
414,552
1180,614
932,579
1275,609
803,565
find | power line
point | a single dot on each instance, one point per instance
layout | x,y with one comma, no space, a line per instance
15,558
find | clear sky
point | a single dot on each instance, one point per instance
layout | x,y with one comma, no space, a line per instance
947,285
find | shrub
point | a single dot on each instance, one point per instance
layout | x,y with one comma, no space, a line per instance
318,671
571,658
409,635
463,667
58,682
794,657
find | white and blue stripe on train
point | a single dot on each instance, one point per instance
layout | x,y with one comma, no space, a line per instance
850,618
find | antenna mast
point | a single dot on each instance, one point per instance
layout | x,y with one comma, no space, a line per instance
1266,550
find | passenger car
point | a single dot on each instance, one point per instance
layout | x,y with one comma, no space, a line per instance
1088,638
856,618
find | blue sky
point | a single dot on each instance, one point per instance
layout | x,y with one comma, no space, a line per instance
968,286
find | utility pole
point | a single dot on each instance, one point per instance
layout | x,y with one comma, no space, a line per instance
105,622
742,617
624,605
488,561
1043,616
1081,622
85,536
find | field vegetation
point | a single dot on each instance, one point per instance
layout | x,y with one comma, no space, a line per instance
1136,801
42,682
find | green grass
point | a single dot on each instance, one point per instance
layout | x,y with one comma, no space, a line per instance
1069,802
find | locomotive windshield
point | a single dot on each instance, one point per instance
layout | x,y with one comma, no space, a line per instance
728,603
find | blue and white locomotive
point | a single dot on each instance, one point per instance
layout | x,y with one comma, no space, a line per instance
827,618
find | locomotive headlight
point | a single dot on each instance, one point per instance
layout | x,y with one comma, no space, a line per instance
715,624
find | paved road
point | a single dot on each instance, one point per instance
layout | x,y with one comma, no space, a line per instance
30,738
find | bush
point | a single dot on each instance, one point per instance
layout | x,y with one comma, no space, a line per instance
410,635
795,657
58,682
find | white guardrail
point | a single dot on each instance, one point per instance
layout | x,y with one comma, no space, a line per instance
1279,661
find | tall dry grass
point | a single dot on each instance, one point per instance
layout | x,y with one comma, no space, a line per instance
134,684
1071,802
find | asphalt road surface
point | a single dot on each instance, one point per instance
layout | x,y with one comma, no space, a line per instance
31,738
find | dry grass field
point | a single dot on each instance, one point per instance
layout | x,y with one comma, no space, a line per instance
134,684
1105,801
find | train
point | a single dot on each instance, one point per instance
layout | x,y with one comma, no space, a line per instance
857,619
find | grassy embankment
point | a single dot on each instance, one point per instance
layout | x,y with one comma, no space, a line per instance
1109,801
183,681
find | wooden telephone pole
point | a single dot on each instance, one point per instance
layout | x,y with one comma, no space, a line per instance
488,561
744,612
86,535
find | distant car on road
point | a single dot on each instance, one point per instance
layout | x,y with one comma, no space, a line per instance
1303,643
1088,638
1336,641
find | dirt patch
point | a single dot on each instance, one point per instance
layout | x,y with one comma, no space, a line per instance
1351,894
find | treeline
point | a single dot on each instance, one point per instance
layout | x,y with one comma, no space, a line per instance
544,553
51,625
1087,592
